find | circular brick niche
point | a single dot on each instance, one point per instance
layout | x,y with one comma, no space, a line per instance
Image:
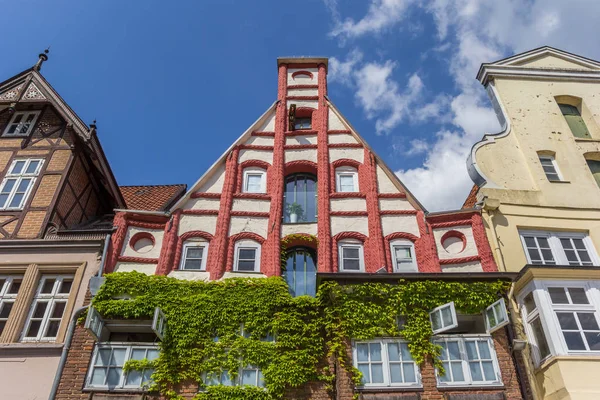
142,242
454,242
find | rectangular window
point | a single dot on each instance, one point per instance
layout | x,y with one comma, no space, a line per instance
443,318
558,248
254,183
47,308
9,288
194,256
302,123
595,169
385,363
403,258
106,370
21,123
249,375
576,318
18,182
550,168
246,259
574,120
468,360
351,257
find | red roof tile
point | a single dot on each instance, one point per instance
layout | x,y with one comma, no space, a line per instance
152,197
471,199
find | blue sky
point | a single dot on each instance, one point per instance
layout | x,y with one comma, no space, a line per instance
172,84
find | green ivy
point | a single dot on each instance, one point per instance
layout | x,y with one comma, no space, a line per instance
286,241
204,320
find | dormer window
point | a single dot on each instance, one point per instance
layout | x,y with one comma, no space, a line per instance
21,123
303,123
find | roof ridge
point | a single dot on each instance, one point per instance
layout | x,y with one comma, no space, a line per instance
163,185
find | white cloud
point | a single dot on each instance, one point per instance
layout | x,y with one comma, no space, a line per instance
471,32
417,146
341,71
381,15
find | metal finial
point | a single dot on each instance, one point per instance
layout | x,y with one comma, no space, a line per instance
42,57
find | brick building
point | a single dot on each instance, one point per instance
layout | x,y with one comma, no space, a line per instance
302,169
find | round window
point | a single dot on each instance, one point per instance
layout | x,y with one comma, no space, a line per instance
454,242
142,242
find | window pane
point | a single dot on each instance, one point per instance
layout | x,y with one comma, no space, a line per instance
588,321
247,254
134,378
488,371
245,265
98,376
447,316
362,352
484,350
353,265
409,373
540,337
350,252
16,200
567,321
476,373
18,168
377,373
34,328
393,352
574,341
593,339
436,321
395,373
103,357
471,350
249,377
14,288
578,296
558,296
59,309
5,311
52,329
375,351
192,264
491,317
446,377
118,357
406,356
3,199
194,252
138,354
48,286
114,376
65,287
454,351
8,187
40,309
457,372
364,369
152,354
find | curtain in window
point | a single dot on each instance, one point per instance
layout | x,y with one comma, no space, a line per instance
576,123
301,272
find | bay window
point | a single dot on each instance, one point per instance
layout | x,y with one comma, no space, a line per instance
558,248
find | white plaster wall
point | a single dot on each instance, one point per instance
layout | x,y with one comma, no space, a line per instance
268,125
335,123
260,141
305,154
394,204
470,248
303,79
249,224
206,223
202,204
303,92
341,138
234,274
251,205
214,183
304,139
384,183
464,267
190,275
349,224
154,253
289,229
351,153
399,223
147,269
304,103
262,155
354,204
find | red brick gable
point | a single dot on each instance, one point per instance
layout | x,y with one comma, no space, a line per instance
152,197
471,199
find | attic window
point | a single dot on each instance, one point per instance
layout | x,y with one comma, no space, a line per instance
303,123
21,123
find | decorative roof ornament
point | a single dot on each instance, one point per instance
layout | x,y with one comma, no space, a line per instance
42,57
33,93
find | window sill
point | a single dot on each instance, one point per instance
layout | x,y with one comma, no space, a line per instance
299,223
377,389
120,390
31,345
448,388
591,140
246,272
559,181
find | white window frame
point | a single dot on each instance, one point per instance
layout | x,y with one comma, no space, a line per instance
190,244
361,255
8,298
558,253
552,161
384,342
498,311
52,299
129,347
439,309
263,181
403,267
25,115
246,245
469,382
346,171
19,177
546,311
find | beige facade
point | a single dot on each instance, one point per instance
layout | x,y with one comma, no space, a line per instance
542,211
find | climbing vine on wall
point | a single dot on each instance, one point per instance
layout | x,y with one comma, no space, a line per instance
205,318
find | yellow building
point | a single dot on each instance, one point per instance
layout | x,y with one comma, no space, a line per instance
538,183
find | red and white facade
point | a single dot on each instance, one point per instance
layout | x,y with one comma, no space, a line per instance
220,212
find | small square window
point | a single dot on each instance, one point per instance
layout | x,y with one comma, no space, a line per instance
193,257
403,256
351,258
247,256
443,318
21,123
302,123
254,181
346,180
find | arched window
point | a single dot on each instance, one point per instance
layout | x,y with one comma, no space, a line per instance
301,271
247,256
300,198
194,255
351,256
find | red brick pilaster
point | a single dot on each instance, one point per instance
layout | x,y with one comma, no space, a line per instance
375,242
425,248
271,246
323,182
167,252
483,246
217,257
116,242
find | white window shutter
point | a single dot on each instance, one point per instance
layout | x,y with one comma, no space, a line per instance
94,323
495,316
443,318
159,323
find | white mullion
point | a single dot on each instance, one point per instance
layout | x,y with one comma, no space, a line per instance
387,376
465,363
